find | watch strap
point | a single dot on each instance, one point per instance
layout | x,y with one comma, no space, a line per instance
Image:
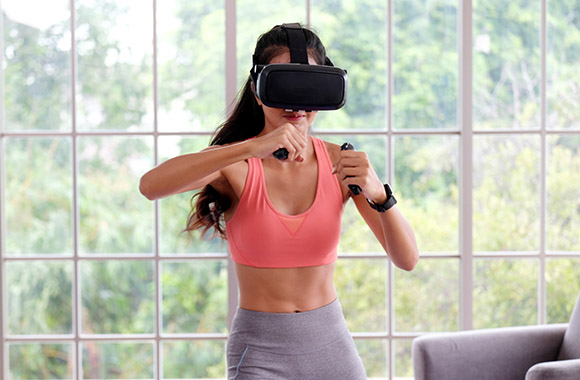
390,202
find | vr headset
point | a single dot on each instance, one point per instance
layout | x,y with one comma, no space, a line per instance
299,86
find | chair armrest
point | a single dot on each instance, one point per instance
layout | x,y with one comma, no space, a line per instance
494,354
558,370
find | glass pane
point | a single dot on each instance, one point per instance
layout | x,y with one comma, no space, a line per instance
38,206
117,297
362,290
563,59
195,296
174,210
355,36
374,354
194,360
506,64
505,293
563,200
506,193
41,361
375,146
191,61
255,17
114,62
403,359
39,297
425,64
427,299
426,178
114,216
117,360
356,236
37,64
563,284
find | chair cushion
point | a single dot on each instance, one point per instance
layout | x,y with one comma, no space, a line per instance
571,345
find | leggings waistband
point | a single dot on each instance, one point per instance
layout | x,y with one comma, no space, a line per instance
289,332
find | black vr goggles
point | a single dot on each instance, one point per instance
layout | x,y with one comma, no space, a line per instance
299,86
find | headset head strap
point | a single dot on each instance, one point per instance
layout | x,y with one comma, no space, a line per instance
296,43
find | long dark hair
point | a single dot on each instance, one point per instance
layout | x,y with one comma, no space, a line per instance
246,121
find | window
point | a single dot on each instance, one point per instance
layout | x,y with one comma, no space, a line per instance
470,109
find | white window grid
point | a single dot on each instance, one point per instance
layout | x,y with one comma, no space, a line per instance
465,255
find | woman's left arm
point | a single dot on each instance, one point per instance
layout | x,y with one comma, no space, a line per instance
390,227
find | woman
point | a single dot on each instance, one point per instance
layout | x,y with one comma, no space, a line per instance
282,223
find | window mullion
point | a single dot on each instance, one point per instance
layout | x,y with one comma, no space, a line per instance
157,362
308,8
542,296
76,296
465,37
231,91
389,168
3,323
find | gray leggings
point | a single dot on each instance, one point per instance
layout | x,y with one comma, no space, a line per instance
310,345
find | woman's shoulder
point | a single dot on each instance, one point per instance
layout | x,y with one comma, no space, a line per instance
233,180
333,151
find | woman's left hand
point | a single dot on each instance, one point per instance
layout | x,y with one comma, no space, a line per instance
391,228
354,168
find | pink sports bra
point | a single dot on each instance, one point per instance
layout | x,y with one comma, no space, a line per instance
260,236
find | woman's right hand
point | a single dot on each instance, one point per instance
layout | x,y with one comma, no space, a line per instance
287,136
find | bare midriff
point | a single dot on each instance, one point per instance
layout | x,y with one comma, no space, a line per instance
285,290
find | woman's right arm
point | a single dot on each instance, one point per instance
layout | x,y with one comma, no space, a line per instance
195,170
191,171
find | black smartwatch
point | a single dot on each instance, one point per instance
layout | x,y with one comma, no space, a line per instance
390,202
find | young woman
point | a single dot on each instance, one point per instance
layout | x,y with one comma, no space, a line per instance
282,224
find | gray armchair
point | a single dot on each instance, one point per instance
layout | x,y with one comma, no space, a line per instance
543,352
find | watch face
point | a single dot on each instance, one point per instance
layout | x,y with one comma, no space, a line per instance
388,190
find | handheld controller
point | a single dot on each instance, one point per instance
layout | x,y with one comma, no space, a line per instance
355,189
281,154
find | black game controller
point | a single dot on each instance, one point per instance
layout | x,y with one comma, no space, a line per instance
281,154
355,189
